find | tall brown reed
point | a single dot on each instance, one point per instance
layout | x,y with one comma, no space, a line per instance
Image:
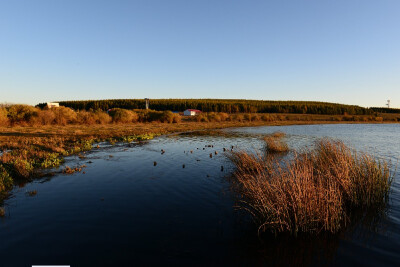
313,192
274,143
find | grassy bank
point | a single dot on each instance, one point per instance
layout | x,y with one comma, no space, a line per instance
316,191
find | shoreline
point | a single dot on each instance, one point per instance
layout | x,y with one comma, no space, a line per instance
57,130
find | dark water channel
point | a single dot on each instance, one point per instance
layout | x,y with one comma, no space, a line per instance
124,211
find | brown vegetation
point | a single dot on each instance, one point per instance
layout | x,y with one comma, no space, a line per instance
316,191
25,115
3,117
274,143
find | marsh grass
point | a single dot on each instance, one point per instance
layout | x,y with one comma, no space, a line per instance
315,191
278,134
274,143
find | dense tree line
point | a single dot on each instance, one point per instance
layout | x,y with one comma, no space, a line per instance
221,105
386,110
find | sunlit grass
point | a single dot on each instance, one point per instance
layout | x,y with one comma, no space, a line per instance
274,143
315,191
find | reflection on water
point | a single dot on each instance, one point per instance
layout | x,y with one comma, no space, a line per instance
124,210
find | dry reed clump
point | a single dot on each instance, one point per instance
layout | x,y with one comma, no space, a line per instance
274,144
315,191
278,134
69,170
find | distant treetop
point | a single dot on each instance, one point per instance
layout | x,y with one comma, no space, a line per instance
222,105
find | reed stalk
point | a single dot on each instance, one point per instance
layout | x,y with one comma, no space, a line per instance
314,191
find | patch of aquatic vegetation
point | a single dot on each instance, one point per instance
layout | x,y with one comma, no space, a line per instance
79,146
320,190
274,143
52,160
139,137
69,170
6,181
24,158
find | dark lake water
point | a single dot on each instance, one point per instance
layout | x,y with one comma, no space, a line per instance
124,211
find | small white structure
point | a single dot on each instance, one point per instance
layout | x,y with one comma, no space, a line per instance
191,112
53,105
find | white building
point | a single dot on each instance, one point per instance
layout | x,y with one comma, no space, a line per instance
53,105
191,112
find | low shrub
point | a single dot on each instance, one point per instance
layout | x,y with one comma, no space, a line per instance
45,117
85,117
3,117
120,115
177,118
64,116
153,115
255,117
247,117
224,116
102,117
170,117
238,117
268,117
21,113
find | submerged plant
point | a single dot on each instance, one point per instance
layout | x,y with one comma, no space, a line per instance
315,191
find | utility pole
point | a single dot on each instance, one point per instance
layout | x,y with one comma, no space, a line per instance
147,102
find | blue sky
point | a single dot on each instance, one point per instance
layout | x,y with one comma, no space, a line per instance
335,51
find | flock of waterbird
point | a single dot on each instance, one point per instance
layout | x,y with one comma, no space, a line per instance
191,152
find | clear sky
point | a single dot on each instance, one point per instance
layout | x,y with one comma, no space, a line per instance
345,51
